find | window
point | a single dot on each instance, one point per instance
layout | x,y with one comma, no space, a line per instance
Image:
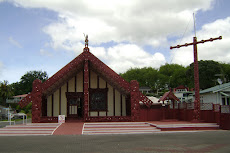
223,101
98,99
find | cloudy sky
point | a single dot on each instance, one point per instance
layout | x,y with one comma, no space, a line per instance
47,34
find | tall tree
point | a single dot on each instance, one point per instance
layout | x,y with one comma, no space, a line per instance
226,72
208,70
26,81
172,75
146,76
5,91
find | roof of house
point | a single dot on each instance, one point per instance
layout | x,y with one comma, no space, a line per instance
181,87
216,88
168,96
153,99
18,96
76,65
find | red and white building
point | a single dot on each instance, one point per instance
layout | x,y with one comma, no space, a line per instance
85,89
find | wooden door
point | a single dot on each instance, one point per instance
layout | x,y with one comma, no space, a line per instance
74,104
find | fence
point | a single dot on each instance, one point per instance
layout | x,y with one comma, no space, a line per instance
225,117
212,113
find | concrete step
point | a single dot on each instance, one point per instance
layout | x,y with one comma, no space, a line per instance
119,132
181,127
115,123
34,125
118,128
29,129
147,128
47,132
24,134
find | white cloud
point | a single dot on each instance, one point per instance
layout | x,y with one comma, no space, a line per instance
135,21
14,42
129,23
218,50
99,52
125,56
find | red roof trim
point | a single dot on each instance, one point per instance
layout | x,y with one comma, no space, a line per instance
145,100
168,96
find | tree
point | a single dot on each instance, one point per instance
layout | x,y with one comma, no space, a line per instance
226,72
26,81
168,76
172,75
179,78
5,91
208,70
146,76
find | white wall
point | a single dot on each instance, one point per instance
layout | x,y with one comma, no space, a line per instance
209,98
79,87
102,84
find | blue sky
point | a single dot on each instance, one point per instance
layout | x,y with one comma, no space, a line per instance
40,35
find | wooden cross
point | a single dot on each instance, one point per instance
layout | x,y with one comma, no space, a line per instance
196,116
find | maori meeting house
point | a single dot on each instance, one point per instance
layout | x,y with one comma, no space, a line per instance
85,89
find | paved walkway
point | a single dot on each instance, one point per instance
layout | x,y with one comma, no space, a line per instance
69,129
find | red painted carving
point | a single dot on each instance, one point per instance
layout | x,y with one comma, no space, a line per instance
36,98
36,101
25,101
86,89
135,98
145,100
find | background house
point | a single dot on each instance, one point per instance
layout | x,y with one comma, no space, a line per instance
145,90
183,93
217,95
15,99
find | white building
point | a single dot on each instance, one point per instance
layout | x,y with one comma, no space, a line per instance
16,99
145,89
183,93
219,94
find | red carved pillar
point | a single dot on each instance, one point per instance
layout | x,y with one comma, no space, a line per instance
135,98
86,89
36,101
196,113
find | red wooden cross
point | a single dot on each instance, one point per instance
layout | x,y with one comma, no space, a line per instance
196,116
